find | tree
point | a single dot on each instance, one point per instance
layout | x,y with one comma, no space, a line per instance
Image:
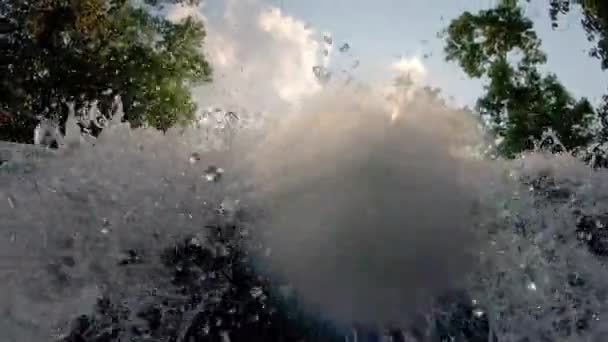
519,104
82,51
594,21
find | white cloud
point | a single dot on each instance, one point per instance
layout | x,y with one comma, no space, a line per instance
263,59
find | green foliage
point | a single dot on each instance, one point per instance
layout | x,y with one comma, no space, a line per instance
594,21
520,104
75,50
476,41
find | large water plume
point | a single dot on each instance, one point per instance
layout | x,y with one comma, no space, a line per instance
370,217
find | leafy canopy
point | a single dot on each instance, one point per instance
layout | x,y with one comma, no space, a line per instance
55,51
519,103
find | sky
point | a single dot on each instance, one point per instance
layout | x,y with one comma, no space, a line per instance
380,32
383,29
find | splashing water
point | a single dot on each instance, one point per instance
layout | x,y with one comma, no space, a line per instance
368,219
369,210
132,190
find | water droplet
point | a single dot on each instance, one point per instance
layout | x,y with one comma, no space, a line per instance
322,74
222,250
478,313
194,158
256,292
531,286
345,47
213,173
11,202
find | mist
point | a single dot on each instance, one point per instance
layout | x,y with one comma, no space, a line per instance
371,202
370,217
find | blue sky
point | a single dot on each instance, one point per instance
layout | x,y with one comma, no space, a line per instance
379,31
